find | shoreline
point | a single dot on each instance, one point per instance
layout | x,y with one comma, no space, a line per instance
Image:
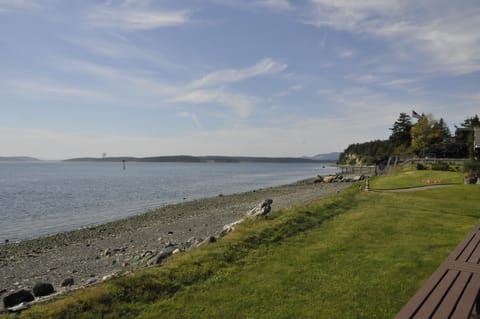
89,254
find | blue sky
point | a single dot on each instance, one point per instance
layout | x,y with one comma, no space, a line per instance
228,77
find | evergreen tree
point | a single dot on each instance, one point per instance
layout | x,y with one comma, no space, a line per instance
401,132
443,130
471,122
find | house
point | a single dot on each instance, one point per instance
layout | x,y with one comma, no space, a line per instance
476,138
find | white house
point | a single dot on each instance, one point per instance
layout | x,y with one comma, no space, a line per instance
476,138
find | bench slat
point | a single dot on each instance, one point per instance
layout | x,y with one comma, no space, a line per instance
452,289
459,251
416,302
467,267
464,309
476,253
468,249
437,295
450,301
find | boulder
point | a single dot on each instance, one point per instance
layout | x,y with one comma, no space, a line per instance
67,282
163,254
17,298
91,281
261,210
329,179
208,240
192,242
43,289
267,206
357,178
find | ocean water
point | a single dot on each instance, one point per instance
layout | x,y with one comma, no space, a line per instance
41,198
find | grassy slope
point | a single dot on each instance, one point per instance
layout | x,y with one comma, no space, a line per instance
357,255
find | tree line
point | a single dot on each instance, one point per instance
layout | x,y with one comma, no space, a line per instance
428,137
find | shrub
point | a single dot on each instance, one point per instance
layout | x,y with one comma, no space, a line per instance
472,167
421,167
440,166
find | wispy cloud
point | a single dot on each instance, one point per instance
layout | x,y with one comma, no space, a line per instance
94,69
274,4
210,87
277,5
240,104
50,89
193,117
10,5
442,33
290,90
409,84
213,93
222,77
135,16
345,54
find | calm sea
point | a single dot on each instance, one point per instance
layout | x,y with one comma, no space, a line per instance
40,198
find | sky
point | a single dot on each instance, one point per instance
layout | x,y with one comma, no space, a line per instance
228,77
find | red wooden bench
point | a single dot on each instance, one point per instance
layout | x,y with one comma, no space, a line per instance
452,291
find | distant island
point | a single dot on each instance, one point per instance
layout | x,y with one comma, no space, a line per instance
328,157
207,159
17,159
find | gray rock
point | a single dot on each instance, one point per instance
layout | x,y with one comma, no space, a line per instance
193,242
147,254
261,210
67,282
91,281
17,298
164,253
43,289
267,202
319,179
208,240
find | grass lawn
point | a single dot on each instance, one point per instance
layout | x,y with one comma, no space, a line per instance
354,255
414,178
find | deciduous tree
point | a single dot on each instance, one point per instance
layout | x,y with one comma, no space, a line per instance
428,134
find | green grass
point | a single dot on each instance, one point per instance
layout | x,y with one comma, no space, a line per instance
354,255
414,178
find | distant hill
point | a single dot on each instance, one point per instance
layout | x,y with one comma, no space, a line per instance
17,159
180,158
200,159
328,157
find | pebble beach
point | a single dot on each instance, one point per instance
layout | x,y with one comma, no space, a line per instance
93,254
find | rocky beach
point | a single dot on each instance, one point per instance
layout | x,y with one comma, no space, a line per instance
78,258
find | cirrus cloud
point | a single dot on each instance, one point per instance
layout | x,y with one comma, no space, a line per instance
129,16
265,66
442,34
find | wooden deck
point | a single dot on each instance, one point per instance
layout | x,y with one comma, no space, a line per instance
452,290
